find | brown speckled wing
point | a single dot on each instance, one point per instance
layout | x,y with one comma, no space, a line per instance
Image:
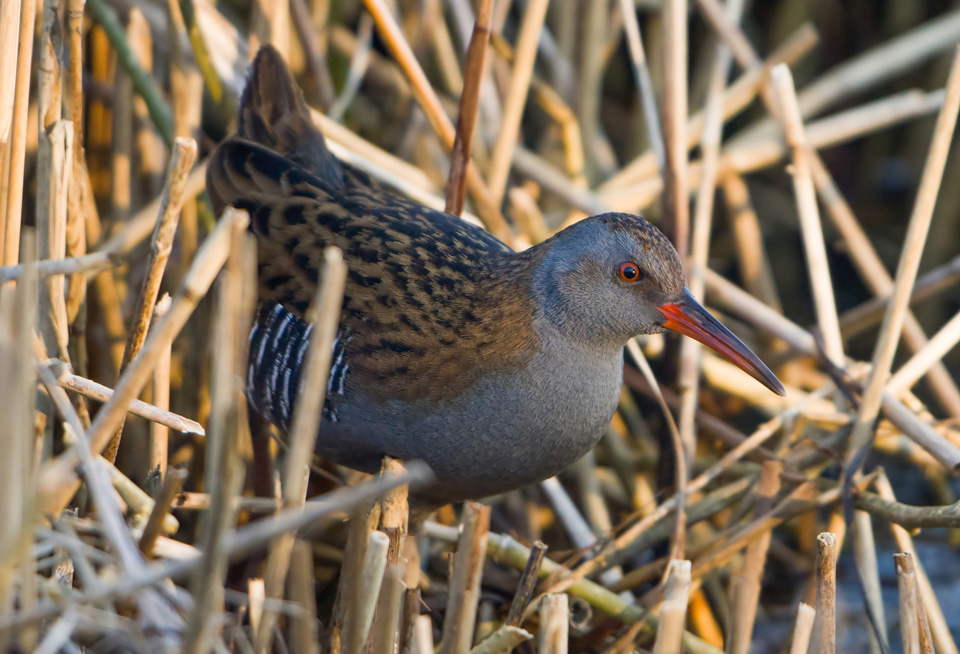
423,306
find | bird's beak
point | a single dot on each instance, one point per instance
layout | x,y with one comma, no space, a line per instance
690,319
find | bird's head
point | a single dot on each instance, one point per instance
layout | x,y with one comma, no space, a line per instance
610,277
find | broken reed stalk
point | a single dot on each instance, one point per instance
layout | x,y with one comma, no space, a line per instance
363,601
802,629
909,262
228,419
554,620
525,55
469,106
487,207
386,626
942,637
810,225
527,585
909,609
673,613
827,592
676,207
11,209
501,641
58,480
172,483
161,245
323,317
461,614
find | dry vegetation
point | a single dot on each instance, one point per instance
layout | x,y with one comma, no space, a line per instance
132,514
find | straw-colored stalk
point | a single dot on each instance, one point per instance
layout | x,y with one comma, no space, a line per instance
362,523
909,618
101,393
802,629
745,586
865,558
673,613
303,628
11,208
87,263
323,316
942,636
827,592
184,154
76,233
409,616
121,135
487,206
363,601
461,614
227,421
423,635
641,73
387,623
147,142
752,258
159,434
9,22
469,105
810,226
931,354
502,640
554,620
909,263
700,238
58,480
676,206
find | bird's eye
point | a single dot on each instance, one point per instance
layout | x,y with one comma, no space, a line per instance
630,272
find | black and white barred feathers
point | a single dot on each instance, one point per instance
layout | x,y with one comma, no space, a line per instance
278,345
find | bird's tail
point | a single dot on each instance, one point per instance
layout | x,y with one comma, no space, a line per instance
274,115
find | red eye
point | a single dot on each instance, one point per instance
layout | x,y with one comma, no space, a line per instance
629,272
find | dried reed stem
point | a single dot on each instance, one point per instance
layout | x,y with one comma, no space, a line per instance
157,462
676,206
58,477
554,620
101,393
911,253
487,206
673,614
865,558
909,618
802,629
810,225
9,22
161,245
303,628
526,585
11,209
516,97
469,105
227,422
76,235
931,354
87,263
641,73
386,627
359,615
827,592
461,615
502,641
323,317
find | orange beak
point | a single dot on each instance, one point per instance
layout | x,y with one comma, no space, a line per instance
690,319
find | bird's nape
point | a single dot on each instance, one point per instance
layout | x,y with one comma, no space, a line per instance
688,317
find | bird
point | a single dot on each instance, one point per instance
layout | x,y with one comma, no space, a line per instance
497,368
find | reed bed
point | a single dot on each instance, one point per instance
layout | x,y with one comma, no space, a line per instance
139,512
